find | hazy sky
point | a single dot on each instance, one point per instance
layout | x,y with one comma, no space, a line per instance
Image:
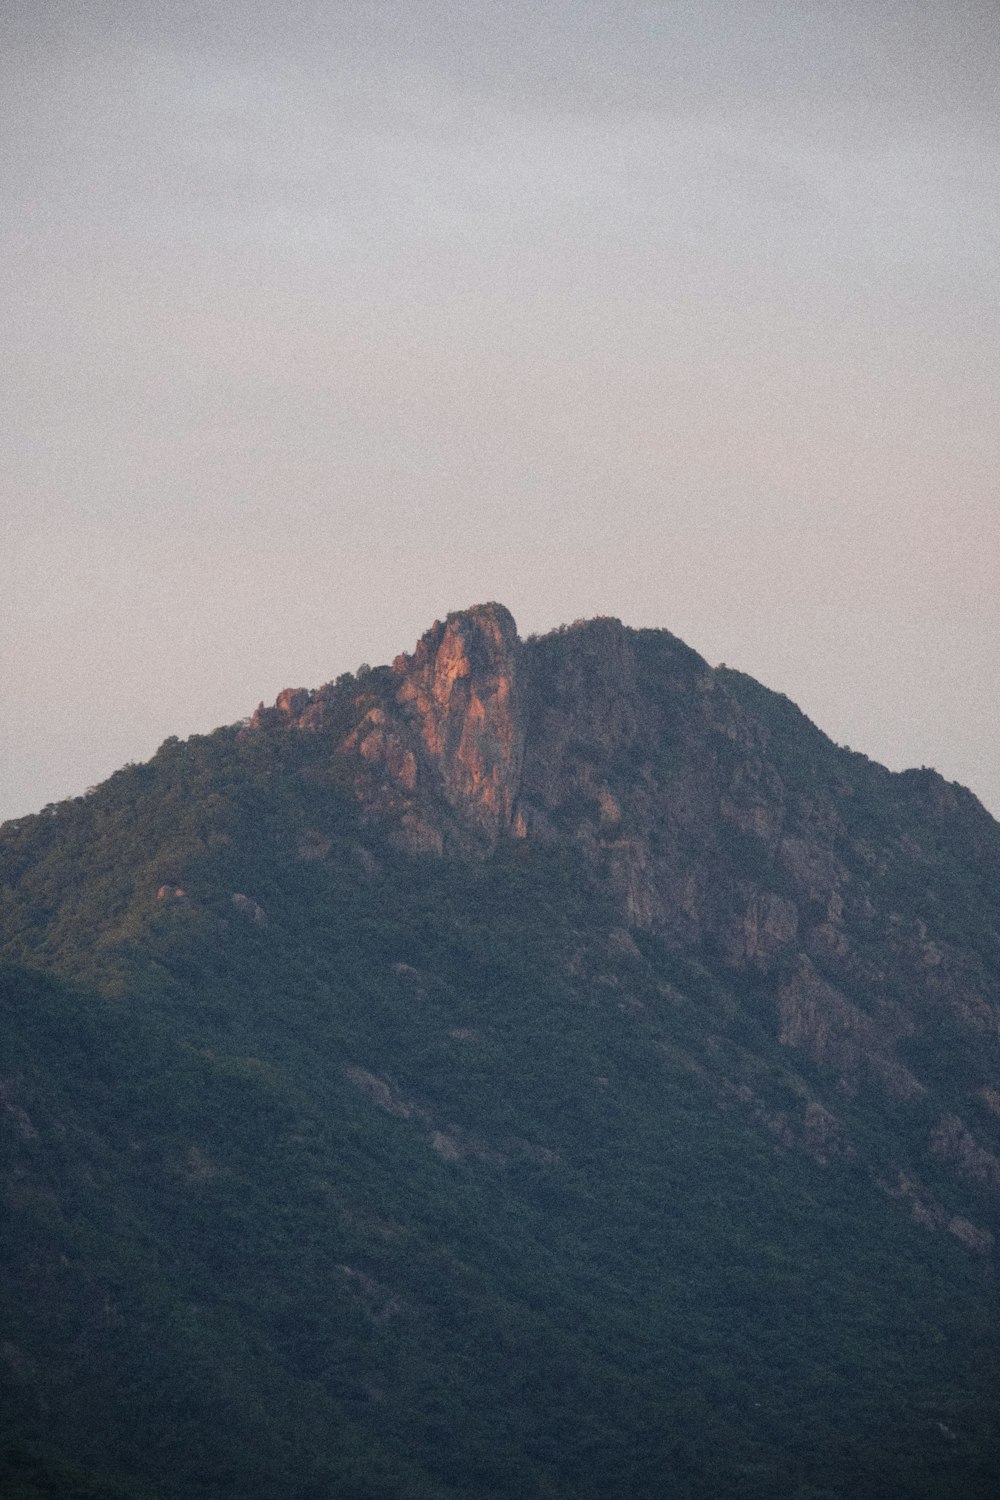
325,319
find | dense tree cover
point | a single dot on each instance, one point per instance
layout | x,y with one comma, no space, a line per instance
406,1177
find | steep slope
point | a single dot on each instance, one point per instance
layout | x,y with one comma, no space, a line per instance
533,1068
715,815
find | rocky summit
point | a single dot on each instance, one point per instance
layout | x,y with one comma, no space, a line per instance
714,813
538,1068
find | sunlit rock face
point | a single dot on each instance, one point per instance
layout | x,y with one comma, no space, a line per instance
460,696
435,743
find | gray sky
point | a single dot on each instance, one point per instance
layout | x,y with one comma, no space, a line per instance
326,319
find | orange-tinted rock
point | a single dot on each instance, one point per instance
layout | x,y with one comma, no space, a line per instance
288,709
460,693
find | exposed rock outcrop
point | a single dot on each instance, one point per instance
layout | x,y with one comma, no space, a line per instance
932,1215
672,779
822,1021
713,812
459,694
249,908
953,1141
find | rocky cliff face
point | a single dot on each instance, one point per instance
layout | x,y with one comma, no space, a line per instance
716,816
459,698
437,740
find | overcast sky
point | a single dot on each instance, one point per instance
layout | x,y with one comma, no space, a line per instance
323,320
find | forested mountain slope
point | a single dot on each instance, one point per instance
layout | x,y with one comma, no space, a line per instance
537,1068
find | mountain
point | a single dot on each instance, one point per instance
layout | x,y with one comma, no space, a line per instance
544,1068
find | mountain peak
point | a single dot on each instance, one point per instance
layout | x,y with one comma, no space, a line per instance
459,705
626,744
453,990
481,633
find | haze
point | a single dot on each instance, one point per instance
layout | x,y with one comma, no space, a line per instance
323,321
